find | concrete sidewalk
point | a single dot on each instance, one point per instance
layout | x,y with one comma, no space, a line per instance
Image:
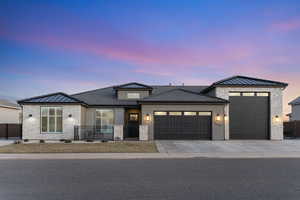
83,156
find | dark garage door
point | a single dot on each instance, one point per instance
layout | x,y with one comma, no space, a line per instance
182,127
249,117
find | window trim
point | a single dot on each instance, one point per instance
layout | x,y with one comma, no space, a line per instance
48,120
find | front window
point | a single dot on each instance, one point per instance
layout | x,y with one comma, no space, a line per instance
174,113
133,117
105,120
51,120
132,95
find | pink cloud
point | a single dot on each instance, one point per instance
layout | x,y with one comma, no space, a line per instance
286,26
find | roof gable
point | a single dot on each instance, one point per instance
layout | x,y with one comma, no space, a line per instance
181,95
245,81
295,101
133,85
51,98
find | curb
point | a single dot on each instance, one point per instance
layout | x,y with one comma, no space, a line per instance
124,156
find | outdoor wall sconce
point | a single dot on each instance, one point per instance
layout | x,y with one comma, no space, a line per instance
218,117
30,115
225,117
147,117
277,119
70,115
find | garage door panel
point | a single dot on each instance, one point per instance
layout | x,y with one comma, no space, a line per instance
249,117
182,127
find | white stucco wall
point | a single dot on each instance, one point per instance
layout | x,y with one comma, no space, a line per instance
276,107
295,115
32,128
9,115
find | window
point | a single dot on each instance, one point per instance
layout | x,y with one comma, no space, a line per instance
132,95
234,94
190,113
160,113
248,94
133,117
51,120
105,121
175,113
204,113
262,94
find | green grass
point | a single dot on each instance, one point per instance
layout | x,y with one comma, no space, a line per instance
108,147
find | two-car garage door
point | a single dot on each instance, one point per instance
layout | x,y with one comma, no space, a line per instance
182,125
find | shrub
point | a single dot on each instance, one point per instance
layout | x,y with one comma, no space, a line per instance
62,140
89,140
68,141
26,140
42,141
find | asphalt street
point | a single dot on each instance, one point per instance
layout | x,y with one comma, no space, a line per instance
144,179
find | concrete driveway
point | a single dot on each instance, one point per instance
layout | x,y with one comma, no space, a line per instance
6,142
230,146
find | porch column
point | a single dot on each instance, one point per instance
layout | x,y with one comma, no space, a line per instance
119,124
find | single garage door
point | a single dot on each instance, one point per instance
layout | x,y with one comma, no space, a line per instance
182,125
249,115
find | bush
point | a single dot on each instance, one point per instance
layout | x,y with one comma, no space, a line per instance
89,140
26,140
68,141
62,140
42,141
104,140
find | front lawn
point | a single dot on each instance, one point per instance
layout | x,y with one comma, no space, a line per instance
107,147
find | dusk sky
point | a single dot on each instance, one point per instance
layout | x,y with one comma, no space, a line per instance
73,46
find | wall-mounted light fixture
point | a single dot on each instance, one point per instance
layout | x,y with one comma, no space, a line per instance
218,118
70,115
30,115
225,117
147,118
277,119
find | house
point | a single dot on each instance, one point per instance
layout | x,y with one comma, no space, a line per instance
295,114
238,107
10,113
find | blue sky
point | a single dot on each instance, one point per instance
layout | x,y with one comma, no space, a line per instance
72,46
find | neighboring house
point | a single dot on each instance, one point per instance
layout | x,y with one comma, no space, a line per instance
10,113
295,114
235,108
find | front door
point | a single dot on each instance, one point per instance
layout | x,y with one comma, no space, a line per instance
133,125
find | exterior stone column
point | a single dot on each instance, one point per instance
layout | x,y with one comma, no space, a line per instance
144,132
118,132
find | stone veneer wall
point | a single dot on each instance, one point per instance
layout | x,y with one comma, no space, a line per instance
276,131
32,127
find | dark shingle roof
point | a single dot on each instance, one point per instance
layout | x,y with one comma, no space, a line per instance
181,95
107,96
51,98
295,101
246,81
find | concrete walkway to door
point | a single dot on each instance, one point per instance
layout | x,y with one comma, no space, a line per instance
283,147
